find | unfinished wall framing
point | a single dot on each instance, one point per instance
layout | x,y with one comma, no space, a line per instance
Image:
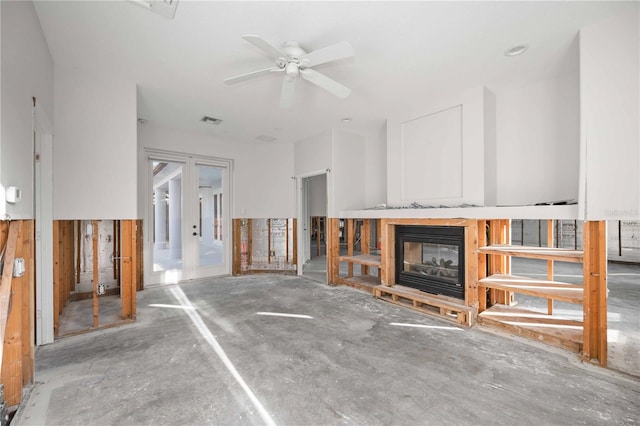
491,289
264,245
96,260
17,309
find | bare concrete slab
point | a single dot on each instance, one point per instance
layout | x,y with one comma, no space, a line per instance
215,352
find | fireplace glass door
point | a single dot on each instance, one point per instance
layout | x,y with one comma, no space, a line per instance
432,259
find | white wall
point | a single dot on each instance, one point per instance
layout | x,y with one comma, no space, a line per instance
312,155
610,105
375,157
538,141
412,148
347,176
26,72
318,195
262,172
95,153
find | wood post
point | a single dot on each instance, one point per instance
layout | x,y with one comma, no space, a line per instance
365,243
550,273
482,265
56,277
128,271
28,303
471,264
10,304
96,273
236,264
350,229
333,250
595,291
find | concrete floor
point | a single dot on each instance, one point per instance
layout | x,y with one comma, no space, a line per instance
209,353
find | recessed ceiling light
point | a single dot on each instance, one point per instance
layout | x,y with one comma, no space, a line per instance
347,120
516,50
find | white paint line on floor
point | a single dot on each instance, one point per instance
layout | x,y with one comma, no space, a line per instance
206,334
278,314
436,327
162,305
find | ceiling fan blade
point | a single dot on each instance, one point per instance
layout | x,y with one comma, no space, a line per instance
288,87
264,45
325,82
327,54
250,75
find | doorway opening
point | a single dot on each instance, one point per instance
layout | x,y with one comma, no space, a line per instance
313,216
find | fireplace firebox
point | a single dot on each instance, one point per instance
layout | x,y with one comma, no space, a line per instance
431,259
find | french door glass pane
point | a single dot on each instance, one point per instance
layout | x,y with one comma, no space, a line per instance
210,184
167,216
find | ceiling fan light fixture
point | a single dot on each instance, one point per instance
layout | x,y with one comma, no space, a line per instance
516,50
291,70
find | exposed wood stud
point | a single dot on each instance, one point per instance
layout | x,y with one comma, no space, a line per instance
96,273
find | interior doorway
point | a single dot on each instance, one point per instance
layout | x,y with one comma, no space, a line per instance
313,215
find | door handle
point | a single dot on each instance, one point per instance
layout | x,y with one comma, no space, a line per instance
195,233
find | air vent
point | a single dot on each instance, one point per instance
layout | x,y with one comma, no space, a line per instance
166,8
211,120
266,138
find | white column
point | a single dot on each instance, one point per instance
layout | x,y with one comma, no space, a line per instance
207,215
219,216
175,218
160,219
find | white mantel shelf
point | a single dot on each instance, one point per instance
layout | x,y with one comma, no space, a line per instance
564,212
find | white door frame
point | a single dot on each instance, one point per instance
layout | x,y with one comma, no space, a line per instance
43,214
302,212
189,270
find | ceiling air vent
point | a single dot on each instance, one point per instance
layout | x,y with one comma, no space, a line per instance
166,8
212,120
266,138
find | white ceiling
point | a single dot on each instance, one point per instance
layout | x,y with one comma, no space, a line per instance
405,52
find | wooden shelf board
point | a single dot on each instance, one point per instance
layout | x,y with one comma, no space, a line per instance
546,253
550,329
555,290
363,259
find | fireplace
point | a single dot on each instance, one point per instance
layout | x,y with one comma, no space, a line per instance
431,259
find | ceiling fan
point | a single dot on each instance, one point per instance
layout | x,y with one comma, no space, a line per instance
293,61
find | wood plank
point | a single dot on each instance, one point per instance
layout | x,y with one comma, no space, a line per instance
439,306
595,291
545,253
11,361
362,259
482,265
78,250
294,239
362,282
471,264
28,304
236,263
550,273
96,273
350,225
56,277
552,330
556,290
126,254
333,250
365,243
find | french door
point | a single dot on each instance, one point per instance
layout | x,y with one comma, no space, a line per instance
187,222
